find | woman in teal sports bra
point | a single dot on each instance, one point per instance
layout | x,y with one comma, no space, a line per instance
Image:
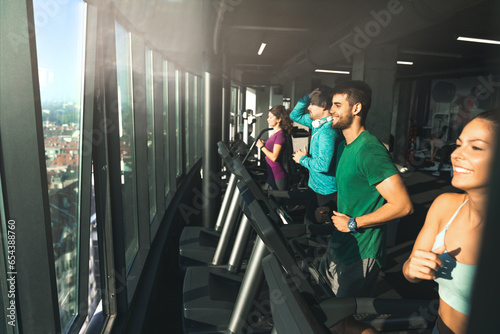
447,247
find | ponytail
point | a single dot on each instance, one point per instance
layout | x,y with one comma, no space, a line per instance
282,114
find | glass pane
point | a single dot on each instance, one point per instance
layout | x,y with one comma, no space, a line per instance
178,122
201,120
187,119
150,118
60,37
166,141
196,118
251,101
234,112
127,141
94,287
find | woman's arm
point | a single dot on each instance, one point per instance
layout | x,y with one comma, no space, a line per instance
274,154
424,261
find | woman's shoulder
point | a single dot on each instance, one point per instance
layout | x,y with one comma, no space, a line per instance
446,204
279,134
451,198
441,210
279,137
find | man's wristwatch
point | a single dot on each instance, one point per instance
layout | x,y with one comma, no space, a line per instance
352,225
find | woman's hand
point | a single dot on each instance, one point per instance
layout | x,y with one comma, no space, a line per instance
259,143
423,265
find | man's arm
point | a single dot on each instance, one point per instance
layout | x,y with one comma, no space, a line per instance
398,205
322,159
300,114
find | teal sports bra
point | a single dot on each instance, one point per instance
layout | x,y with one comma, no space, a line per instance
455,279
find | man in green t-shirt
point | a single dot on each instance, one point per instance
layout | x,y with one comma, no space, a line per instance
370,194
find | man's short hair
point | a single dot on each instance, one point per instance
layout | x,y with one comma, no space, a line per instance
356,91
324,95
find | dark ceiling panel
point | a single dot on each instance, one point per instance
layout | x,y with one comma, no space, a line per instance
302,35
426,36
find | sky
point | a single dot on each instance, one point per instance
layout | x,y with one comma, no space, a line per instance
60,29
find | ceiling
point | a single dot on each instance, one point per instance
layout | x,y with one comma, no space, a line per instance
302,35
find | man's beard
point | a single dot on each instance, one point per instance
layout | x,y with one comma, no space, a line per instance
343,123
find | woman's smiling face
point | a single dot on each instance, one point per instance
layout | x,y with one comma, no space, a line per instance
472,159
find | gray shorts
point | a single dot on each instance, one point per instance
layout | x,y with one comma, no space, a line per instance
357,279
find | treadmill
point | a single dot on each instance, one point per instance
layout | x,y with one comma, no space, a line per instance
200,245
209,292
217,299
295,307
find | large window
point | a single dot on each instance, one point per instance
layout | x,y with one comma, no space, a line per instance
166,140
127,142
60,50
150,119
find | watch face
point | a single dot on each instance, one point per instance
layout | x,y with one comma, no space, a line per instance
351,224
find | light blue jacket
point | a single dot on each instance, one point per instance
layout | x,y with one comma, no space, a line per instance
321,160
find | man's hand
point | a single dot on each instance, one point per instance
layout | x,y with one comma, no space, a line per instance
314,92
299,154
322,214
340,221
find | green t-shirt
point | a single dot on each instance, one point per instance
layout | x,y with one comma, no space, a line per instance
364,163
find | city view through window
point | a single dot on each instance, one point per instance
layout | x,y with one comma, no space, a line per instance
60,46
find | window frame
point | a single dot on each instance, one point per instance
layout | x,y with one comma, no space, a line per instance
5,292
86,165
100,147
179,88
149,79
29,209
172,124
167,141
159,146
188,117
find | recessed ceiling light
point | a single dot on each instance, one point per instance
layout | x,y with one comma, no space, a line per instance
400,62
477,40
262,47
332,71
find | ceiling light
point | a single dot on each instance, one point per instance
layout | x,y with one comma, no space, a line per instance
285,29
477,40
431,53
333,71
262,47
400,62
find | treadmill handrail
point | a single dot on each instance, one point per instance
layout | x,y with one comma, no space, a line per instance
255,142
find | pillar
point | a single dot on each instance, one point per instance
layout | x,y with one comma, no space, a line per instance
377,67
